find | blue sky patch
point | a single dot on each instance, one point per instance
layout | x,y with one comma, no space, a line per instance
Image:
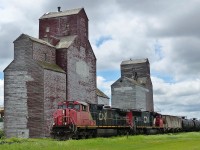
102,39
110,74
166,77
158,49
1,75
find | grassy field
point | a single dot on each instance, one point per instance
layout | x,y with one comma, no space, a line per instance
182,141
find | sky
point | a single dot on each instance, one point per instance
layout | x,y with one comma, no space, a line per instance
165,32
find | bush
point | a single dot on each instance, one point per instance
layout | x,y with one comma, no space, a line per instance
2,135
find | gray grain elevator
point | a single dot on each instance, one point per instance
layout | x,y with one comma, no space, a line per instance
133,90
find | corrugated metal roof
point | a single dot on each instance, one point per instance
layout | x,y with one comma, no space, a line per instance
50,66
101,94
62,13
134,61
66,41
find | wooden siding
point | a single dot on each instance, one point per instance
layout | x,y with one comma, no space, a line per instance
33,88
78,59
143,71
54,92
103,100
26,91
74,24
127,95
43,52
81,75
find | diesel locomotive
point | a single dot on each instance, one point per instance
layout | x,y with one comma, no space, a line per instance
75,119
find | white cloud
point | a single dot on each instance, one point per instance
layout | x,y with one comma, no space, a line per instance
128,38
104,85
181,98
1,92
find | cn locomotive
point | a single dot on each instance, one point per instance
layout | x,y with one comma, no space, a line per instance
75,119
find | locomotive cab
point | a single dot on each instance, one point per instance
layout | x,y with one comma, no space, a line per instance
71,115
73,112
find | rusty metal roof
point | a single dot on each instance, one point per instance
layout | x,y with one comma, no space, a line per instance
135,61
101,94
50,66
61,13
66,41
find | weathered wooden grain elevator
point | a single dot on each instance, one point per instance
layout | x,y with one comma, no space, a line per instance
59,65
134,88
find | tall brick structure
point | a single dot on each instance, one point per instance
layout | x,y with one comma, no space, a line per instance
60,65
134,89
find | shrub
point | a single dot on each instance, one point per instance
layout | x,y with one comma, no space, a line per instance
2,135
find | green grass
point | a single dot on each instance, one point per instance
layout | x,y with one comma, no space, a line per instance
182,141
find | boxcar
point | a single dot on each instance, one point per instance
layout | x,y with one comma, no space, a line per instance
172,123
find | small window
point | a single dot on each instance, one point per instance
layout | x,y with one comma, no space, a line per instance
67,27
47,29
70,106
45,56
64,106
60,106
84,108
77,107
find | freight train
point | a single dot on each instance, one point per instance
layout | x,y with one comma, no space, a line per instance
75,119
